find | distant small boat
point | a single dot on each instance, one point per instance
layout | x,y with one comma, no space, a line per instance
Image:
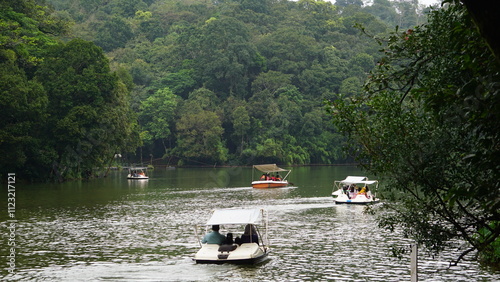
137,173
347,191
267,180
251,248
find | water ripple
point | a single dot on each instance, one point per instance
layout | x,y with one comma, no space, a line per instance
148,235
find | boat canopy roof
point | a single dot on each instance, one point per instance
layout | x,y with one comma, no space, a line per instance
269,168
357,179
235,216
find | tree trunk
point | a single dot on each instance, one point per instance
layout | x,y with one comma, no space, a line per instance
486,16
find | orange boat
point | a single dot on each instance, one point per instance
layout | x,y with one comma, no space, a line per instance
270,177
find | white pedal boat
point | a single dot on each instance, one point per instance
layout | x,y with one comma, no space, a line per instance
249,246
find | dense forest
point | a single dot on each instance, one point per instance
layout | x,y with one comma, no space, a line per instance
188,82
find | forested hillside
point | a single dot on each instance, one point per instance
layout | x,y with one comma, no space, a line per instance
193,82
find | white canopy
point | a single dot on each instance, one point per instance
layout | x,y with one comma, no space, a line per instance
357,179
235,216
269,168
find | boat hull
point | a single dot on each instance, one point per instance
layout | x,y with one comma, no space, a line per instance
351,202
248,253
360,199
139,177
263,184
234,261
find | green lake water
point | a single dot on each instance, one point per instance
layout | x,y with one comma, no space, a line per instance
114,229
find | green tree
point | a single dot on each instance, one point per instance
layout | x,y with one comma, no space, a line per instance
428,122
384,10
289,50
157,116
23,104
199,130
24,35
350,86
225,58
113,33
344,3
241,124
89,115
124,8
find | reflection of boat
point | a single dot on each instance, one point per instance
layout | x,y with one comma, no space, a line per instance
252,247
270,181
347,191
137,173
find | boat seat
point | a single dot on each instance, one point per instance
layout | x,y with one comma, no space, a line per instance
227,248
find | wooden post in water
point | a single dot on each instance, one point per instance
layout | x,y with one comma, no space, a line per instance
414,263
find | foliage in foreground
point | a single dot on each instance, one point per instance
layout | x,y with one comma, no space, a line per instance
428,120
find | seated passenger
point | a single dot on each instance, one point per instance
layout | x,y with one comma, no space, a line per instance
278,177
362,191
229,239
352,193
228,244
250,235
214,237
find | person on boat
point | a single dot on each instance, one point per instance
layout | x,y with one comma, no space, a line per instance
367,192
277,177
214,237
345,188
229,239
362,191
228,244
352,193
250,235
263,177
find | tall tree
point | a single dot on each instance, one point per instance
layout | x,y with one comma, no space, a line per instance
199,130
157,116
429,123
113,33
89,115
225,57
241,124
25,28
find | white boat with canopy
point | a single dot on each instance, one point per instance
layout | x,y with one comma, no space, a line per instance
137,173
355,190
270,177
250,245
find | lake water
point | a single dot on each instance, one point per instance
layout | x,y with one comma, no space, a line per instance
116,229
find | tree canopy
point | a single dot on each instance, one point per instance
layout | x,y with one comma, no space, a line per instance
273,62
64,112
254,72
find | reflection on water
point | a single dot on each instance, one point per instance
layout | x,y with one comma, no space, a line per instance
121,230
